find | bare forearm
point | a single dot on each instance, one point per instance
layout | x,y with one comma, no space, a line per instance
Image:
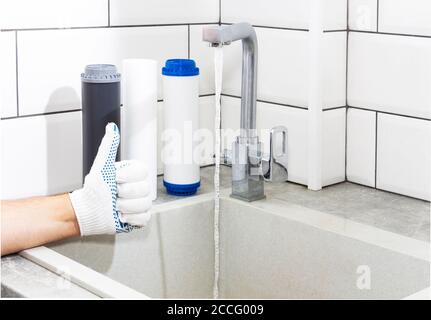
35,221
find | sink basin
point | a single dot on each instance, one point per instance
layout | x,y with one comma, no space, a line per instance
268,249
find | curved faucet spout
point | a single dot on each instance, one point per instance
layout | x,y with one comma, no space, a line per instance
224,35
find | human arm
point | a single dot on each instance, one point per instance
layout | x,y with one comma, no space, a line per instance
115,198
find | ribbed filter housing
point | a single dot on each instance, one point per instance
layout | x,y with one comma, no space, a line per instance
100,73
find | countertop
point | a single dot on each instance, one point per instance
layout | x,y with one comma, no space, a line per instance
384,210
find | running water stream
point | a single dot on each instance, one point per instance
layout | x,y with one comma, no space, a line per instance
218,66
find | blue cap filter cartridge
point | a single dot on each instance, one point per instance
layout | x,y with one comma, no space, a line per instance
181,172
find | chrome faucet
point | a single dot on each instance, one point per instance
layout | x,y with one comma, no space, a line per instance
249,166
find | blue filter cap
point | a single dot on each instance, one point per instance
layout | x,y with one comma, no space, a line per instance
180,68
181,189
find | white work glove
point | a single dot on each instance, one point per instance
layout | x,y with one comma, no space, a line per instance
115,196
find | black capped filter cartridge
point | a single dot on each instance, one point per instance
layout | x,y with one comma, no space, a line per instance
101,102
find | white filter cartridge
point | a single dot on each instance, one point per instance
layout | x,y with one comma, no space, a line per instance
139,133
181,171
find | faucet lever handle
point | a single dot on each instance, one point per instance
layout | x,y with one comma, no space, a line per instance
275,167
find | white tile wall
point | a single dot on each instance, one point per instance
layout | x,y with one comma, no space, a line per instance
335,15
54,60
133,12
8,78
405,16
270,115
283,13
334,69
361,146
41,155
363,15
20,14
404,155
333,147
203,54
390,73
283,67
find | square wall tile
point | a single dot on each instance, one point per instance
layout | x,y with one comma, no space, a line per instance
283,67
275,13
206,133
269,116
54,60
335,15
363,15
334,69
41,155
230,121
390,73
361,146
333,146
24,14
8,99
405,16
203,54
283,13
136,12
404,155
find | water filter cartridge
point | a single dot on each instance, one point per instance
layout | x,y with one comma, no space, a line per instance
181,172
139,134
100,105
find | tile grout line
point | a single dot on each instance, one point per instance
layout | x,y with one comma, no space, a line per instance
277,28
283,104
265,101
375,152
111,26
392,113
392,34
75,110
209,23
188,41
109,13
331,108
16,73
345,143
388,191
347,87
335,30
378,14
41,114
219,12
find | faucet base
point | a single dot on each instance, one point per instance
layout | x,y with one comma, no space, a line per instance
247,199
249,189
247,182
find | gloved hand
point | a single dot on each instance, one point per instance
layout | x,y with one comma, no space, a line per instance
115,196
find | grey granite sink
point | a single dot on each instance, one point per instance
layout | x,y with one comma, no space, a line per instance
295,244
